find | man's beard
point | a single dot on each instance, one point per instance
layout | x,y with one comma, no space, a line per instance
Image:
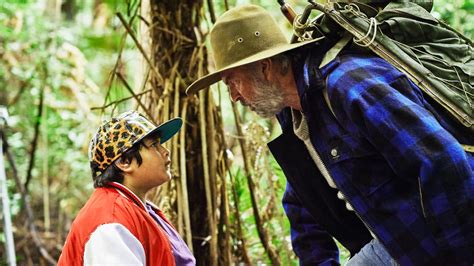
268,98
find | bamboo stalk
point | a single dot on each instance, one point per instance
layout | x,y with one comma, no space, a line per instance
226,4
224,225
211,133
274,199
165,112
180,206
172,37
262,233
225,212
205,162
45,177
207,158
237,215
211,10
183,177
179,191
60,224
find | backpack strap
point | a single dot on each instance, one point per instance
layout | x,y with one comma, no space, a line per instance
326,98
331,54
335,50
328,57
468,148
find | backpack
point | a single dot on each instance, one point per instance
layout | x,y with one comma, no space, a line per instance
434,56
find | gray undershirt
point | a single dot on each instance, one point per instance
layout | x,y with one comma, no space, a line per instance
300,127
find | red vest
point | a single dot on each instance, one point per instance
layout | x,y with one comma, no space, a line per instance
107,205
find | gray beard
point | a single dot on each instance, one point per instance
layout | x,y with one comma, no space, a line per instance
268,100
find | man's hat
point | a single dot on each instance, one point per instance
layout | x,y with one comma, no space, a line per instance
118,135
240,36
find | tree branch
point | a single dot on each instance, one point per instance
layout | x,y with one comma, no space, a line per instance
140,47
24,196
34,142
119,75
121,100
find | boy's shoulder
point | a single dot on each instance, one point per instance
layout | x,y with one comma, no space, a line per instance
99,208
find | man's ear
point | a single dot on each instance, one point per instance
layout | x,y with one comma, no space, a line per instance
125,166
266,66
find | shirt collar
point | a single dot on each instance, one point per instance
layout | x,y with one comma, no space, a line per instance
308,74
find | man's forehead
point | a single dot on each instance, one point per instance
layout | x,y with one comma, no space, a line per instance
226,74
229,73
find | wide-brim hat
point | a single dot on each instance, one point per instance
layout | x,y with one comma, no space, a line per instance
241,36
116,136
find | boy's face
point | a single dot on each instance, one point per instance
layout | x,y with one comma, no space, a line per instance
155,167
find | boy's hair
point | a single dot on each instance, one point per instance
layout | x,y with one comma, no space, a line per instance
115,174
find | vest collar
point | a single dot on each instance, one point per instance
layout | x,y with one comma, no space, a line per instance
127,193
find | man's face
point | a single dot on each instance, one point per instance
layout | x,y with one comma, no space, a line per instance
260,95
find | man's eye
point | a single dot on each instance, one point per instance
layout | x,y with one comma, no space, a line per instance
231,84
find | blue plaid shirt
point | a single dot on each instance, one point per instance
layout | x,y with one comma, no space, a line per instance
395,155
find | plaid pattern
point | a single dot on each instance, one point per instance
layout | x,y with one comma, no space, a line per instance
395,156
311,243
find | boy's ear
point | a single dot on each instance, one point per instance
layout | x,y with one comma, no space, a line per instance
123,165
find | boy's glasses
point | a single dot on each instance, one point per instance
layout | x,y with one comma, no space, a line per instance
154,144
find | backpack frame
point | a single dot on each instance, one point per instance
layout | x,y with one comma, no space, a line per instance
435,57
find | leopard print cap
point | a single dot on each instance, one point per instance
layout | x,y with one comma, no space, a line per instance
115,137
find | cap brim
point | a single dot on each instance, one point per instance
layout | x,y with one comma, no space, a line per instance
167,129
214,77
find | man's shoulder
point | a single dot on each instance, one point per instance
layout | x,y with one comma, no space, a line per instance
362,71
362,63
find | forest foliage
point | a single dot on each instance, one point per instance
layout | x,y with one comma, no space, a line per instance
56,64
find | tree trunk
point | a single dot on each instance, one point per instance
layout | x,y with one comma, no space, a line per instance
197,199
179,57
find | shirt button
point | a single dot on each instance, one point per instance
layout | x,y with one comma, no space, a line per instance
334,153
340,196
349,207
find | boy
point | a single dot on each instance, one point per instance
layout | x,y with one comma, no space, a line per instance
117,225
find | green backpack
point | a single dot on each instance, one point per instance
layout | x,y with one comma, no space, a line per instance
434,56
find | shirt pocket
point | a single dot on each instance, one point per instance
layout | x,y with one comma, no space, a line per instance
356,163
